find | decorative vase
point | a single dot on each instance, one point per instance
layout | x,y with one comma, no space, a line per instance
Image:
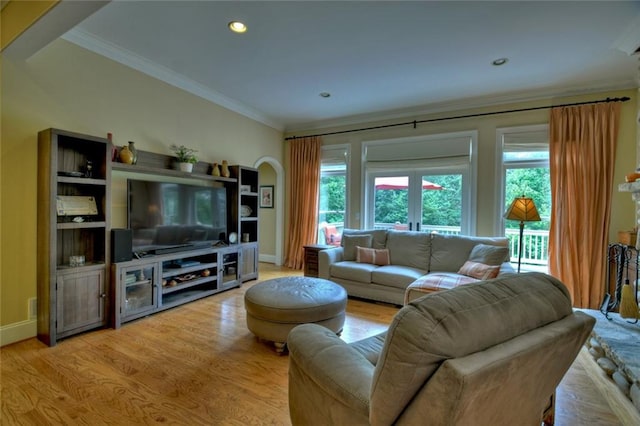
225,169
215,170
186,167
134,151
125,156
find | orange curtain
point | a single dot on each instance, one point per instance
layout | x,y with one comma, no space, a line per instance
304,179
582,150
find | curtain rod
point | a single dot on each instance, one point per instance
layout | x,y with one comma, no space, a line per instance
481,114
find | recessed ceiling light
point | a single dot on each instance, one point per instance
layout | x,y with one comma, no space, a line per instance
500,61
237,27
325,94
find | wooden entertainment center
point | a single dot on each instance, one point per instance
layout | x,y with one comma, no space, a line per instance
79,287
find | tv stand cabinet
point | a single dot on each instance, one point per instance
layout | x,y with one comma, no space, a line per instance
79,289
155,283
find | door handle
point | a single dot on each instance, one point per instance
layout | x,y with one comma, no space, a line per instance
410,226
418,226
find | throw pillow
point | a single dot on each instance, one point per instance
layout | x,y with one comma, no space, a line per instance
378,257
489,255
351,242
479,270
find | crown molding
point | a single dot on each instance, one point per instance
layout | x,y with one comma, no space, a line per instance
142,64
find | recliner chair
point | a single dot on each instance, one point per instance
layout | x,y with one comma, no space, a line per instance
488,353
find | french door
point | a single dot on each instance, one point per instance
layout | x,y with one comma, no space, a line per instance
429,200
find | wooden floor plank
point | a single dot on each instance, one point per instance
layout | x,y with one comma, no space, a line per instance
199,364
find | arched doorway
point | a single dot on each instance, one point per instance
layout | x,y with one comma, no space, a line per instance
278,218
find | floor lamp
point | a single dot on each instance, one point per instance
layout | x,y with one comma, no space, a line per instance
522,209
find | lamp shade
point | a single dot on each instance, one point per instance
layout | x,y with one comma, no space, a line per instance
522,209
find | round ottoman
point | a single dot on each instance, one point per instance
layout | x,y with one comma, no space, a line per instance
275,306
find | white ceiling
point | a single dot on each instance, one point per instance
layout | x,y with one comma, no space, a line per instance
377,59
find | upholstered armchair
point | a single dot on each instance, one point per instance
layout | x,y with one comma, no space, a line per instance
488,353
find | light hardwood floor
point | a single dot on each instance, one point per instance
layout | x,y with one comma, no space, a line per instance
198,364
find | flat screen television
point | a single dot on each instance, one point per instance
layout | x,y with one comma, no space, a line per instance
166,217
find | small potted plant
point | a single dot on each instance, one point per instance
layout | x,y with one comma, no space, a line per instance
185,157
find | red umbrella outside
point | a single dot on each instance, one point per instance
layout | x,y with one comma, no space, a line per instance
402,182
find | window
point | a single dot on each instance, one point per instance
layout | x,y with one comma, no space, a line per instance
525,171
421,183
332,205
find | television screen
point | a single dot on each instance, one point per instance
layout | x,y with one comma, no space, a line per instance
166,216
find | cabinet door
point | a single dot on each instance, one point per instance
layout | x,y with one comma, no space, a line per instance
249,262
81,300
139,293
228,269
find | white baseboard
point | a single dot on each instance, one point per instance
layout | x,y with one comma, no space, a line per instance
18,331
267,258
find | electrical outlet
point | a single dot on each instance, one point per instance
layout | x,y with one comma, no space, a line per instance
33,308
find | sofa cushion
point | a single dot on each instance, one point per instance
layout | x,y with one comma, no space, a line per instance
395,276
379,236
480,271
352,271
455,323
408,248
351,242
449,252
378,257
489,255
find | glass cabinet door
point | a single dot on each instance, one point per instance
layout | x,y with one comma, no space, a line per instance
229,269
139,291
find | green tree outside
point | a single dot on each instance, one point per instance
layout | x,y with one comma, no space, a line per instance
332,203
439,207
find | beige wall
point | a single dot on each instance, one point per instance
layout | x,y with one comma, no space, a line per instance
268,216
67,87
487,204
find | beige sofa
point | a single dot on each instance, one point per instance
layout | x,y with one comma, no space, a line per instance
418,263
490,353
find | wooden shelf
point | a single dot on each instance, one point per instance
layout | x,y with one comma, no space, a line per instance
81,180
135,283
81,225
186,284
89,266
177,299
173,272
162,165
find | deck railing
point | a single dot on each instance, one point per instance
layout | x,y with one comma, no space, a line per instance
535,244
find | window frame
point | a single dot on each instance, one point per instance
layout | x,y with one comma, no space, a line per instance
328,153
502,166
464,164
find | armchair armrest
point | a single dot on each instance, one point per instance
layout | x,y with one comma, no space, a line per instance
326,258
329,381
